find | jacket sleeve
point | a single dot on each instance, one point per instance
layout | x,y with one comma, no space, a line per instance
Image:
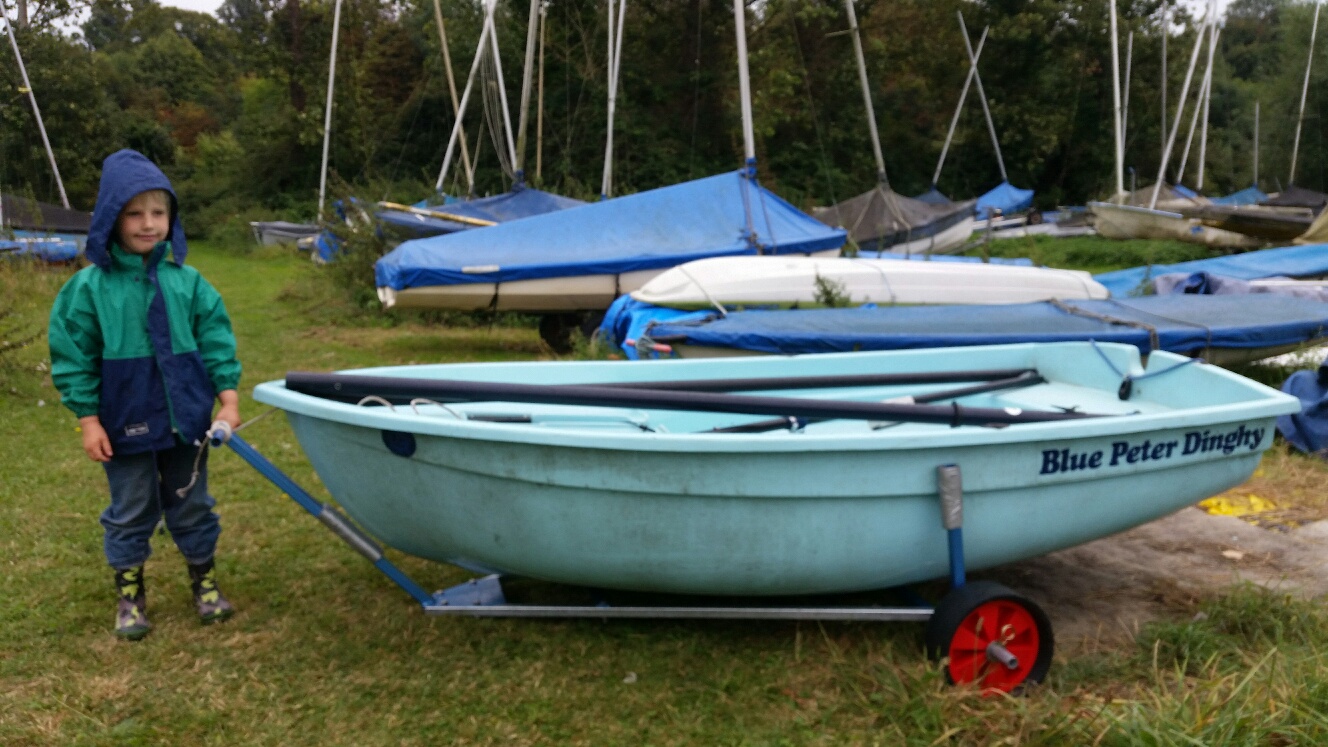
216,341
76,348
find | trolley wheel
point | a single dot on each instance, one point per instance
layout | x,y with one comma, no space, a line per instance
991,637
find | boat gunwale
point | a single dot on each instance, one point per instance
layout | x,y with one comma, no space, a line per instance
1267,403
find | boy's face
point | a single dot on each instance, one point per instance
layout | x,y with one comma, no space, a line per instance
143,222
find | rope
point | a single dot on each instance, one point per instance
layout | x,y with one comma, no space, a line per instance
811,107
704,292
1153,343
226,433
425,400
743,185
1127,380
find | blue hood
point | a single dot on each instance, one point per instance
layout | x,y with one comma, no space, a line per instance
126,173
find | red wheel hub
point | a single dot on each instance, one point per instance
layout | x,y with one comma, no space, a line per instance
1001,621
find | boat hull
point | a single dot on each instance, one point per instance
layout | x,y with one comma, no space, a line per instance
1129,222
798,281
609,505
777,536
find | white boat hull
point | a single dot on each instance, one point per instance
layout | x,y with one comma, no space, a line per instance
793,281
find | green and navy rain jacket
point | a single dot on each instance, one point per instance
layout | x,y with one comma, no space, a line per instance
143,342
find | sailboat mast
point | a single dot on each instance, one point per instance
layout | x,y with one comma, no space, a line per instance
36,111
532,29
1304,90
502,92
866,94
963,94
485,30
615,49
1208,96
1189,138
327,110
982,96
745,87
468,164
1175,128
1116,100
1166,32
1125,106
539,107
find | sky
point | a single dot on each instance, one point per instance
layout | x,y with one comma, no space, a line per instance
202,6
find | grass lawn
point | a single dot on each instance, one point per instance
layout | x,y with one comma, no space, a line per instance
325,651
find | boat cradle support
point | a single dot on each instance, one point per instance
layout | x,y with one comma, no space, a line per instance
484,597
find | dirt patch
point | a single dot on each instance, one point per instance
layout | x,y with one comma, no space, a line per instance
1099,594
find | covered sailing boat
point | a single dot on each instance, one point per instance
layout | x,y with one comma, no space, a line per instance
567,263
582,258
884,220
881,219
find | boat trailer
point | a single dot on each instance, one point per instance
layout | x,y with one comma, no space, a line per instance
984,633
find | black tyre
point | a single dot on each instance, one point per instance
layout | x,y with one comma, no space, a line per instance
971,618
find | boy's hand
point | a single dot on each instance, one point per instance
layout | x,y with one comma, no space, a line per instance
230,408
96,443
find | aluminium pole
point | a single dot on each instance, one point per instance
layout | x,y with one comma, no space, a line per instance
1180,108
866,95
1304,89
532,29
1189,138
982,96
1207,100
745,88
327,110
466,162
1116,101
36,111
1166,31
465,98
1125,107
539,106
615,49
502,90
963,93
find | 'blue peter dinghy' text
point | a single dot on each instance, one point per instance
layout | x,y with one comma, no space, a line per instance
1126,452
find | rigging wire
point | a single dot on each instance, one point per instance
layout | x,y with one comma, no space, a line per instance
811,107
696,93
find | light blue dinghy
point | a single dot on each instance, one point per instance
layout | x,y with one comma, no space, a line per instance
773,476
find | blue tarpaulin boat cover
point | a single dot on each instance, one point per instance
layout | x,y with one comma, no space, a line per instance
1247,196
1206,283
1005,197
521,202
1308,429
1288,261
1185,191
1182,323
724,215
43,247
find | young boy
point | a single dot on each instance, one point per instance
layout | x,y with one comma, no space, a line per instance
140,347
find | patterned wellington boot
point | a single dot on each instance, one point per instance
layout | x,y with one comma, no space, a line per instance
212,605
131,620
